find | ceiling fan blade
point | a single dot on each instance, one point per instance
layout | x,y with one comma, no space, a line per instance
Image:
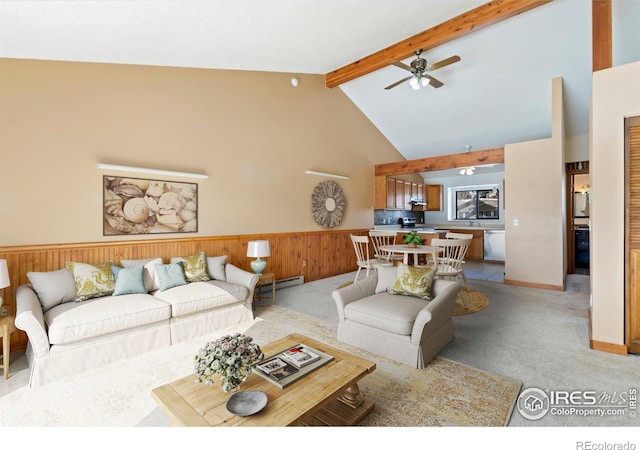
391,86
402,66
444,62
433,82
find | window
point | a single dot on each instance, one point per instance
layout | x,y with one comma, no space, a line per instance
476,204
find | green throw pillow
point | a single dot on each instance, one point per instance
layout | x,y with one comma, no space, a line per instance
129,280
414,281
170,275
195,267
92,280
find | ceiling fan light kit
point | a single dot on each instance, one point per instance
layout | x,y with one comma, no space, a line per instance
418,68
467,170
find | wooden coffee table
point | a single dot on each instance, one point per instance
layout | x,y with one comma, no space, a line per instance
327,396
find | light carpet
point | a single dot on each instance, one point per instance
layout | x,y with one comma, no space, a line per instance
446,393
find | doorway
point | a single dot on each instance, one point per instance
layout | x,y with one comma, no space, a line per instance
578,205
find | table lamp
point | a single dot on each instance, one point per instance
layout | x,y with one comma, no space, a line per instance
258,249
4,278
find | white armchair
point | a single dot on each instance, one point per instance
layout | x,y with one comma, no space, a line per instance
403,328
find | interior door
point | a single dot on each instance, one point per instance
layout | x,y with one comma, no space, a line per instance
632,231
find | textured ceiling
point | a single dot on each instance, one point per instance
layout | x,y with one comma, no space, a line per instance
498,93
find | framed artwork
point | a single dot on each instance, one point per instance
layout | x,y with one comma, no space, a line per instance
142,206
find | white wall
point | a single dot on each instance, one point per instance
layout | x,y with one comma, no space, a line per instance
576,148
615,95
535,206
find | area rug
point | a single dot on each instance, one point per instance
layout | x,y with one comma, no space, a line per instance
475,301
446,393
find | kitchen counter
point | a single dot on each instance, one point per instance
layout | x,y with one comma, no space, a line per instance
439,228
476,249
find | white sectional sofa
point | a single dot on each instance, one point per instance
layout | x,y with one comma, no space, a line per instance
67,336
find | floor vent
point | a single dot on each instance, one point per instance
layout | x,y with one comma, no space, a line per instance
285,282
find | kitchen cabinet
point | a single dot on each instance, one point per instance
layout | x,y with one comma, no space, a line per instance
398,194
434,195
476,249
407,196
391,193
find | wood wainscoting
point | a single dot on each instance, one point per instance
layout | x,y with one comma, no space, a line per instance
312,254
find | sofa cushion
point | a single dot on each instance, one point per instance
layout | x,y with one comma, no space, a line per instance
194,266
414,281
92,280
73,322
170,275
386,312
151,282
216,267
129,280
201,296
53,287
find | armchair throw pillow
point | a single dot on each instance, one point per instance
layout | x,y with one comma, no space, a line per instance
413,281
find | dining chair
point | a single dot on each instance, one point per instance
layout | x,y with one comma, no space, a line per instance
364,261
380,238
448,258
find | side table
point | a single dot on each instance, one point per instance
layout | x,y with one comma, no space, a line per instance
265,279
7,326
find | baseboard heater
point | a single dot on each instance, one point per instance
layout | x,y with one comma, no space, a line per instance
285,282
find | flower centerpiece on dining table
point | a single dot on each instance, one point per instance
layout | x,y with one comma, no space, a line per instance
231,356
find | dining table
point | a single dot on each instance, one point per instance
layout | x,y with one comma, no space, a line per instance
405,250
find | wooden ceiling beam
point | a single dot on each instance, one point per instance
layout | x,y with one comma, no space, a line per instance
479,158
601,34
472,20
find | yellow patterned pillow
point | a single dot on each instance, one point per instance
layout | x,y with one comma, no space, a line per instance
414,281
92,280
195,267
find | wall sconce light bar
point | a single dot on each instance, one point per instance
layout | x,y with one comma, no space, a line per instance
322,174
152,171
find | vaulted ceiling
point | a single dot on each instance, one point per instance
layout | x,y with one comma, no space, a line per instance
497,94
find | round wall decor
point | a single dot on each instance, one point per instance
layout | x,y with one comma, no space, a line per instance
327,204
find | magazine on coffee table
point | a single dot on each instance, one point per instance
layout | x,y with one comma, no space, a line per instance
277,368
299,356
283,377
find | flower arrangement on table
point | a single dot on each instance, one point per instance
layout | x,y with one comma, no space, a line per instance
231,356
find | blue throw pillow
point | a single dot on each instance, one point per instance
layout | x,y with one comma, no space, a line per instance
129,280
170,275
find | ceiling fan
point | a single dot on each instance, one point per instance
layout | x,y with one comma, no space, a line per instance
418,68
